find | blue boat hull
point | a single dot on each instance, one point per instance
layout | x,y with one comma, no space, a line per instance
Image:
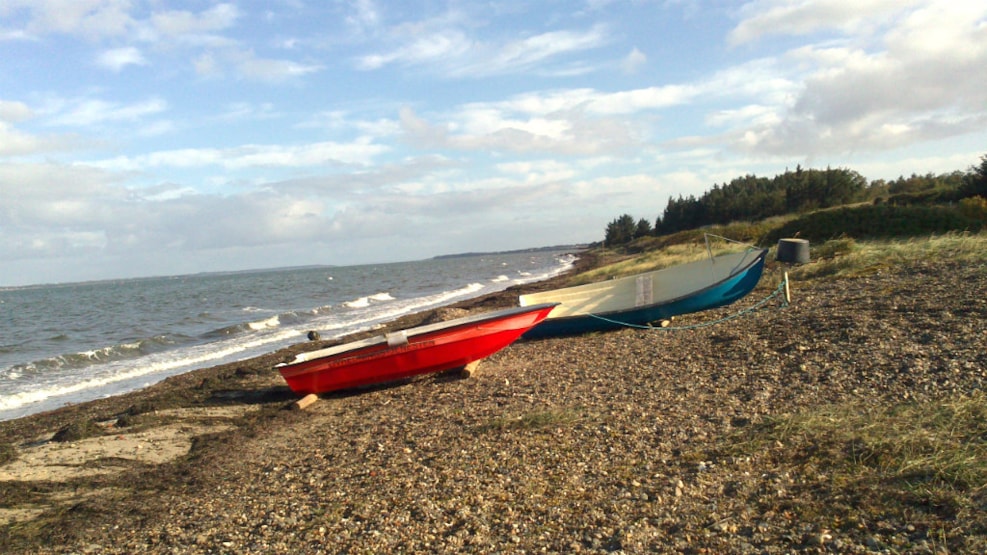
725,292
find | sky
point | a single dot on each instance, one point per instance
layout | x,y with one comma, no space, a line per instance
154,137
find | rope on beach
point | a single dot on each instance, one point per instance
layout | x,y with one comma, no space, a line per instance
781,290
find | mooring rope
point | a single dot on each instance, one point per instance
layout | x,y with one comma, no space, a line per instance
752,308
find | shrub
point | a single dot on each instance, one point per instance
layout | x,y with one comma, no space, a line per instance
974,208
875,222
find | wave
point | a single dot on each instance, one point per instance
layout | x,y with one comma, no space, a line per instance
500,279
246,327
75,361
324,309
136,349
271,322
364,302
341,324
154,368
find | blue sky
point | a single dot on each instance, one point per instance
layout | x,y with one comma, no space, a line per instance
157,138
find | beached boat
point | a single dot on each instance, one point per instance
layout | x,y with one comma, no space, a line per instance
649,297
410,352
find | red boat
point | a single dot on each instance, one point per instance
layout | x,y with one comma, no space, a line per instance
410,352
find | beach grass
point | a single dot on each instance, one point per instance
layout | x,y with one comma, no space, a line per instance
858,463
532,420
840,258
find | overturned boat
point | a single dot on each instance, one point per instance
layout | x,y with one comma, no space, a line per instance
640,299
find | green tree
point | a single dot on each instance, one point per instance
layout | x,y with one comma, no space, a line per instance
621,230
976,180
681,213
643,228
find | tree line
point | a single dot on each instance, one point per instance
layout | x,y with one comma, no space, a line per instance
753,198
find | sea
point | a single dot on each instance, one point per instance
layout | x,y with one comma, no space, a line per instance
74,342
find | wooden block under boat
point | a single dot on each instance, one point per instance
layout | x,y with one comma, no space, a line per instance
305,401
470,369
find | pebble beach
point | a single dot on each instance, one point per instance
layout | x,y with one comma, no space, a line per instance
622,442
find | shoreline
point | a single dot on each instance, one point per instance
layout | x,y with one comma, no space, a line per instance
596,443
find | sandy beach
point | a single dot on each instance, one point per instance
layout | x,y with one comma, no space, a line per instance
612,442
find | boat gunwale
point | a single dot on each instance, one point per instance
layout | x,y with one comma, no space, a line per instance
353,348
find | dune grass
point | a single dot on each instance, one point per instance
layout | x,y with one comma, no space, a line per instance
940,443
848,258
922,463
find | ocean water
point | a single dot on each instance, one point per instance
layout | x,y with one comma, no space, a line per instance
70,343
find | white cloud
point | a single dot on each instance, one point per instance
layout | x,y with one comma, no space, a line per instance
752,114
206,65
538,171
247,111
16,35
180,23
262,69
245,63
13,111
88,112
119,58
489,130
599,103
53,209
15,142
905,73
436,47
156,128
453,53
521,55
762,18
572,122
341,120
360,152
87,18
634,61
364,14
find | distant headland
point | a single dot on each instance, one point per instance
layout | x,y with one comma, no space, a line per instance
519,251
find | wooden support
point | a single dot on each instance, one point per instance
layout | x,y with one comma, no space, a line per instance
304,401
470,369
788,293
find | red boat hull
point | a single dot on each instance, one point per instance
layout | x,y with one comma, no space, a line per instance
416,351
